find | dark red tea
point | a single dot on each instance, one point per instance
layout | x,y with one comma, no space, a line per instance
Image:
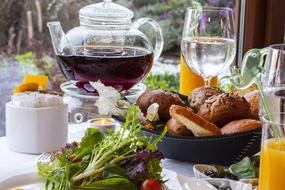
121,68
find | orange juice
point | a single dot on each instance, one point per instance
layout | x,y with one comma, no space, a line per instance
190,80
272,165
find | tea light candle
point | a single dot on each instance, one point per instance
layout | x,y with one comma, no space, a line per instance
104,124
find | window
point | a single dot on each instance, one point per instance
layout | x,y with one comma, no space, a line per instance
25,45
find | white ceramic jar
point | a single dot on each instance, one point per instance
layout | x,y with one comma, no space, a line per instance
36,130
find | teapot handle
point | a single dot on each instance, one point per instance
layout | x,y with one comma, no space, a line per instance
158,33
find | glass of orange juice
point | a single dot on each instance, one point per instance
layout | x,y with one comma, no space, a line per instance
272,163
189,80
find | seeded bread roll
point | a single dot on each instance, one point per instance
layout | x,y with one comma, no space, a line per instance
242,125
223,108
163,98
193,122
253,100
198,96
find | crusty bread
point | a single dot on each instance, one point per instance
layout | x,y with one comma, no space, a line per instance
253,99
163,98
195,123
198,96
175,128
223,108
242,125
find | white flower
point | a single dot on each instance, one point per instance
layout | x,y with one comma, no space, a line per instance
152,112
110,101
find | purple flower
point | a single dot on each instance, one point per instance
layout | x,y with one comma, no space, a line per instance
223,12
164,15
203,21
10,60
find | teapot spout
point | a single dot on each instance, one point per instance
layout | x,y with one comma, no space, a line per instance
57,36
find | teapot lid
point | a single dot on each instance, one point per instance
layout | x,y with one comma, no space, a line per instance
105,13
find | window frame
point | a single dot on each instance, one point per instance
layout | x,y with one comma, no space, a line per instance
262,23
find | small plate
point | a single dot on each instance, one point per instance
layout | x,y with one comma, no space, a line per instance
199,169
25,176
29,181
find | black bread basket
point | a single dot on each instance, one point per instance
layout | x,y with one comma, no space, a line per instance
221,150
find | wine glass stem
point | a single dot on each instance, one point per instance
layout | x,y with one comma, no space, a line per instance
207,81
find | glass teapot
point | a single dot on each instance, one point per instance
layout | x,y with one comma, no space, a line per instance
106,46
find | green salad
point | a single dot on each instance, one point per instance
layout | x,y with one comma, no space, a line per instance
123,160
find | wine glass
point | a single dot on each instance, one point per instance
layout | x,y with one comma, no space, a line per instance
208,41
273,131
274,78
272,89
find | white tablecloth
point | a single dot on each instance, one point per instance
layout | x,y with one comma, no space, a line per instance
10,159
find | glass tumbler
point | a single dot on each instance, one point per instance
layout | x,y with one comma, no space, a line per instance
272,163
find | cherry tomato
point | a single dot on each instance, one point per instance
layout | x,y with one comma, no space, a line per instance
151,184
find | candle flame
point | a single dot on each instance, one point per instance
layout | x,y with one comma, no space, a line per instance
103,122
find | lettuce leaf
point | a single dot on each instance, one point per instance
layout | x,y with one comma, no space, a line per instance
245,169
113,170
146,164
111,184
45,168
92,137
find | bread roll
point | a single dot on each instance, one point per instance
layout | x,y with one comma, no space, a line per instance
149,126
253,100
198,125
163,98
242,125
177,129
222,108
198,96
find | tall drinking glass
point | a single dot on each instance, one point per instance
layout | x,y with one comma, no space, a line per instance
208,41
272,163
272,166
274,80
